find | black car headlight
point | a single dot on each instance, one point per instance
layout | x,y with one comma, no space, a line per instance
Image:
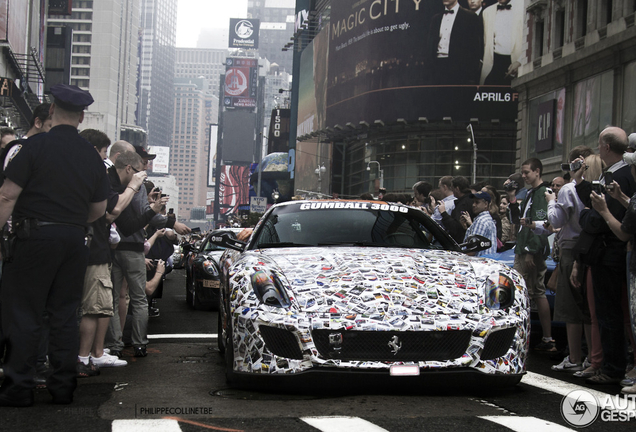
500,294
210,268
269,289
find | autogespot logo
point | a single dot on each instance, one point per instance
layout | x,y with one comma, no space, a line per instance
580,408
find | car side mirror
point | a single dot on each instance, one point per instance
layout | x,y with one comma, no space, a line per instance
475,243
228,241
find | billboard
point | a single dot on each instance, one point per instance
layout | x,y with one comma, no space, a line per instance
241,82
239,137
244,33
278,140
161,164
214,139
390,60
234,188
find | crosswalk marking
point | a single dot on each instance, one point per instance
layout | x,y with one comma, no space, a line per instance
557,386
146,425
342,424
526,424
184,336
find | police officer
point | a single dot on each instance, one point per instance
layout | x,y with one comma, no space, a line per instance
55,186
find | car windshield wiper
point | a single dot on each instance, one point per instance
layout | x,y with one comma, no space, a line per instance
281,244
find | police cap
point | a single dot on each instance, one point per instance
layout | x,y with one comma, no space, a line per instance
71,97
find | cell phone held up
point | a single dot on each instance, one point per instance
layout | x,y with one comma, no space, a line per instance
609,179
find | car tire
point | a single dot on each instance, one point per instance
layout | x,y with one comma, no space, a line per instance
196,302
220,337
189,299
230,376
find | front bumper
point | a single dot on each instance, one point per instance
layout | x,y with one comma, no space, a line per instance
281,345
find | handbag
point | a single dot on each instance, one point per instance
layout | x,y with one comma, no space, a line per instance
553,282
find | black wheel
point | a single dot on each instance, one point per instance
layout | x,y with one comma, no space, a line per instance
220,334
189,299
230,377
196,301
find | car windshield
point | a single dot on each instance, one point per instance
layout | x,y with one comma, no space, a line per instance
341,223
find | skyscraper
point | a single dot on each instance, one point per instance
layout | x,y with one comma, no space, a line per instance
277,26
194,110
104,59
201,62
156,69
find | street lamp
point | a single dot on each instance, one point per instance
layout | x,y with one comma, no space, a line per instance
319,172
469,128
380,170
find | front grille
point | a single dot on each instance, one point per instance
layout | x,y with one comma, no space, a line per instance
498,343
390,345
281,342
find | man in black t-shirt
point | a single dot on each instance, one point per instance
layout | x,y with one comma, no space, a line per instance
55,186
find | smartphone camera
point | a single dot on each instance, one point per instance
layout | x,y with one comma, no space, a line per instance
598,187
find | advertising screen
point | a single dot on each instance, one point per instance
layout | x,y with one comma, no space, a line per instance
214,129
409,59
278,140
239,136
241,82
234,188
161,164
243,33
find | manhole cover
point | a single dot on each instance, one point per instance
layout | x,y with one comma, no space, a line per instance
252,395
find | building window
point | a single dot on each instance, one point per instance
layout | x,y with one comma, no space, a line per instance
581,18
559,29
593,100
629,103
538,38
606,12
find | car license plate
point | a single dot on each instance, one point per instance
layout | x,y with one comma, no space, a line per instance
405,370
211,283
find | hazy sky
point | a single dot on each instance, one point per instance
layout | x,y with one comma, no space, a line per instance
194,15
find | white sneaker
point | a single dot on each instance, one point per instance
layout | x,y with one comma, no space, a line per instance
567,366
586,363
108,360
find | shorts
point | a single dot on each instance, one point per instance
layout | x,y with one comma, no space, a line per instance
534,277
98,291
570,304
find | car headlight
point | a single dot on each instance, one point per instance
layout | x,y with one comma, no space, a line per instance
269,289
210,268
500,293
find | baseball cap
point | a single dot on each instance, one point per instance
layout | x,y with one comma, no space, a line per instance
144,153
481,195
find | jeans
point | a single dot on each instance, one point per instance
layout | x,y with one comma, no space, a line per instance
132,266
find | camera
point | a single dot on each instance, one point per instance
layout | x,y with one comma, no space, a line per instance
512,186
163,195
609,178
573,166
598,187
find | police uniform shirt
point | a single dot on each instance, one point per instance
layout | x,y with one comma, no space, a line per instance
60,174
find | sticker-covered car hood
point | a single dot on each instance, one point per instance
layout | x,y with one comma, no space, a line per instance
366,280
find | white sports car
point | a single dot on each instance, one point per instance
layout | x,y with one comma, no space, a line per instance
366,287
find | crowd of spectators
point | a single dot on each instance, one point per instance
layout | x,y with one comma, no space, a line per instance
589,212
